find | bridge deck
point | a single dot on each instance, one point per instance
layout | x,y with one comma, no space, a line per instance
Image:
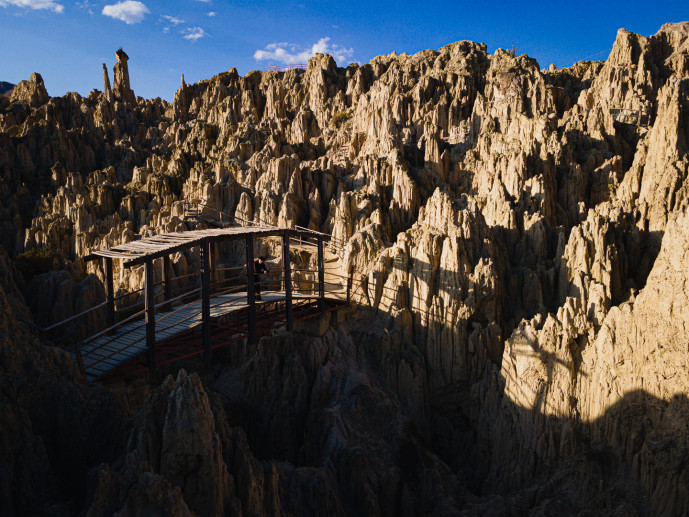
204,321
107,352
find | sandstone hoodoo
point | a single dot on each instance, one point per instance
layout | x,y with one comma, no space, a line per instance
494,254
121,89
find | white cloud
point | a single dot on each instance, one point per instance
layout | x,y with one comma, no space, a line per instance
211,13
85,4
129,11
194,33
35,4
290,54
172,19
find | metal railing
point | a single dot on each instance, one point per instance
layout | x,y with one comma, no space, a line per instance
227,293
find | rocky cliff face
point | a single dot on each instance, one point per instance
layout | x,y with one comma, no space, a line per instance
6,88
518,235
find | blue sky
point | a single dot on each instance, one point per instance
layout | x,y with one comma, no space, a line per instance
67,41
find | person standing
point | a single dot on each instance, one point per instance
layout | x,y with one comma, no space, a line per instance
259,269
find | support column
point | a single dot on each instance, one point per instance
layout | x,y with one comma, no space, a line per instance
149,300
109,293
206,298
250,289
167,282
287,271
321,276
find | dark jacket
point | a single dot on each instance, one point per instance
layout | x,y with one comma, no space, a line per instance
259,269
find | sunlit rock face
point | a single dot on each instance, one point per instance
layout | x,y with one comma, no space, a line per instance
518,240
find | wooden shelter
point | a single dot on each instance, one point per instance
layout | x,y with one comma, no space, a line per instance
146,250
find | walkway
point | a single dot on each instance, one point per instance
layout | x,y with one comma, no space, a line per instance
106,351
202,310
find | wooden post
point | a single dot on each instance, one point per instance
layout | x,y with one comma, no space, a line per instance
167,282
321,276
250,289
149,300
206,298
109,293
287,271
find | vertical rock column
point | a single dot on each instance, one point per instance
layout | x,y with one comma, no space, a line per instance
121,89
106,83
180,102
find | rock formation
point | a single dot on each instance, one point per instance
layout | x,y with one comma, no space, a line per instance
6,88
121,89
518,240
107,91
32,92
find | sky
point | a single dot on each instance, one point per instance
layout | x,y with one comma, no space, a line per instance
67,41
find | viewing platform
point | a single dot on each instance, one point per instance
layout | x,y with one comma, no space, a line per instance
172,318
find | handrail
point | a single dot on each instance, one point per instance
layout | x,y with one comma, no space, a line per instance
331,239
110,329
30,323
183,276
227,268
229,302
233,279
165,302
229,216
100,348
181,321
230,290
60,323
104,352
120,296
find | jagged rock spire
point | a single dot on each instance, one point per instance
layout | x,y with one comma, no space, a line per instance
180,102
121,88
106,83
32,91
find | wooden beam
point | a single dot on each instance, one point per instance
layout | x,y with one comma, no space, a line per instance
206,298
149,299
250,288
321,276
287,271
109,293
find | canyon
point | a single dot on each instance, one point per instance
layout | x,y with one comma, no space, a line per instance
519,343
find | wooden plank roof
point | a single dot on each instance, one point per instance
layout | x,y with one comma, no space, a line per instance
156,246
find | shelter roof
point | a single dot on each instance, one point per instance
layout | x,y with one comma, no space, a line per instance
156,246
